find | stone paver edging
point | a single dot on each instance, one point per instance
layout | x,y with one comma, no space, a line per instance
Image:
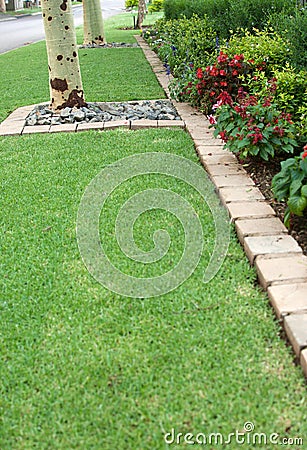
279,261
14,125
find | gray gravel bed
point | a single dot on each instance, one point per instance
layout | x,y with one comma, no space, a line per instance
104,112
110,45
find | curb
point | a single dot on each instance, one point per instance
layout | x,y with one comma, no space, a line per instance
6,19
278,259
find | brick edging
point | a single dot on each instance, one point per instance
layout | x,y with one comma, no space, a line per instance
279,261
14,124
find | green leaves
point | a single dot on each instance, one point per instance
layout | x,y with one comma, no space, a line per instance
297,204
255,128
290,184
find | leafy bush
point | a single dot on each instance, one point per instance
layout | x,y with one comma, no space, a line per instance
294,28
176,9
182,42
131,3
290,185
156,5
288,88
229,14
256,13
265,45
253,127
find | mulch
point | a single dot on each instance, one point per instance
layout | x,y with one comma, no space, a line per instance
262,172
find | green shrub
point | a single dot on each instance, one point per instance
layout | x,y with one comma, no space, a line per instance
156,5
291,91
216,10
294,28
131,3
183,42
288,90
256,13
174,9
265,45
230,14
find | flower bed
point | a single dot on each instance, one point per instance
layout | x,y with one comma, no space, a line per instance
255,100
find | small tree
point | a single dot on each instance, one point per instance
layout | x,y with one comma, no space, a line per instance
63,62
92,22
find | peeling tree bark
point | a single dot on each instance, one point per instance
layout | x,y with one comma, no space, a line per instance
2,6
141,14
92,23
64,70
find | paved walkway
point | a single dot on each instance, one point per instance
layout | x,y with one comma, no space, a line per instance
279,261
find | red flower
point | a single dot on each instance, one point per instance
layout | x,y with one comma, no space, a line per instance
257,137
235,73
223,135
304,155
222,73
279,131
267,102
199,73
214,72
222,58
212,120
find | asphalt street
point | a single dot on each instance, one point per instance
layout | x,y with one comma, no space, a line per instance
16,32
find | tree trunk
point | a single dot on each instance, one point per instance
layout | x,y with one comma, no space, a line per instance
2,6
92,23
64,70
141,14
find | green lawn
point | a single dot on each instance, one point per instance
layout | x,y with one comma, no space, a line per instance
84,368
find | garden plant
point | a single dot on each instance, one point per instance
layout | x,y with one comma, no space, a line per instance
249,76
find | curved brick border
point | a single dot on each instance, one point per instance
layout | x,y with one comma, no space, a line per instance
279,261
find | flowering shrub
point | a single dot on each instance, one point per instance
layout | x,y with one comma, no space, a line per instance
217,83
290,184
253,127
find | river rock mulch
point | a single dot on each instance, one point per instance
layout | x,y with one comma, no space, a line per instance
104,112
110,45
262,174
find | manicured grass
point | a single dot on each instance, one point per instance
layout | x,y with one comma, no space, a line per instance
84,368
22,12
108,74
